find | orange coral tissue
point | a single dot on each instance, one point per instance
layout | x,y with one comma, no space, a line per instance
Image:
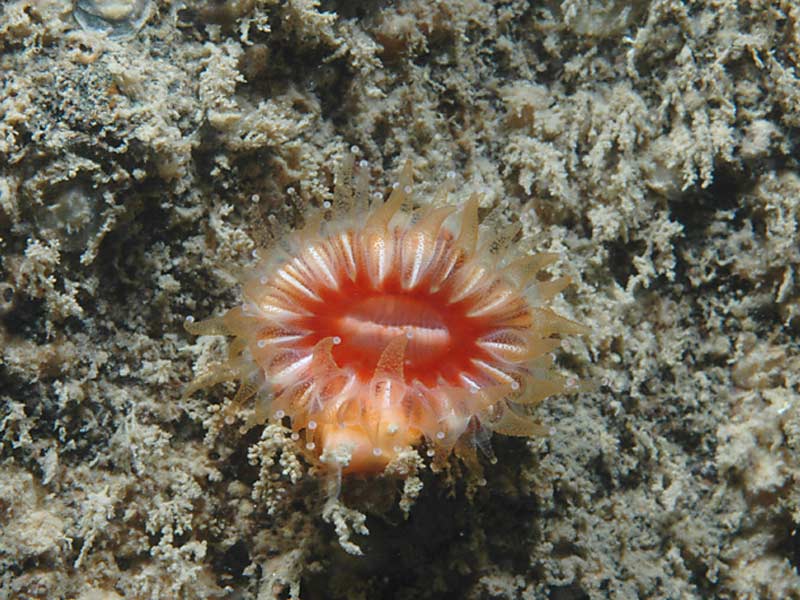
383,329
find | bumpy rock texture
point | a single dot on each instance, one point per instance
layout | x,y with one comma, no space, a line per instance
653,144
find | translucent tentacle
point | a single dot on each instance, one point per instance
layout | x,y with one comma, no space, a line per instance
522,271
468,236
510,423
550,289
387,387
380,217
210,326
534,390
547,322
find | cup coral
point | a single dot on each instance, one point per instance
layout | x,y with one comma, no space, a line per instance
382,328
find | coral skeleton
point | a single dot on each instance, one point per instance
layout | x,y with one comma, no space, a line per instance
381,327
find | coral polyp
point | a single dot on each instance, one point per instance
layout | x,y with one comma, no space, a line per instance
382,328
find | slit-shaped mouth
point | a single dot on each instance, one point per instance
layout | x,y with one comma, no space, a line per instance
395,310
369,326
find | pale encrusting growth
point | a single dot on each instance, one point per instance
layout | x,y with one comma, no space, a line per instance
382,326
